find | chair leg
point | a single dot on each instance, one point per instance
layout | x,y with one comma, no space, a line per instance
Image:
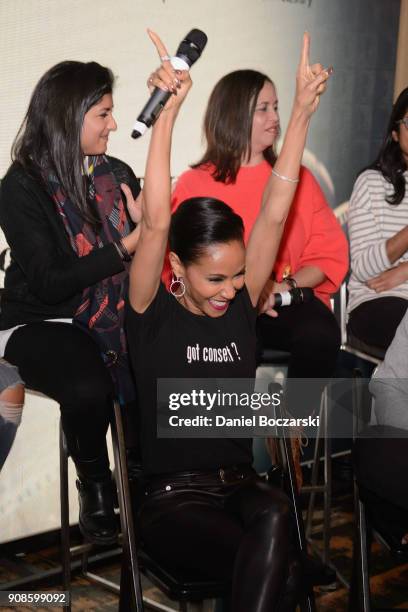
322,440
64,501
364,578
308,601
129,559
327,480
315,471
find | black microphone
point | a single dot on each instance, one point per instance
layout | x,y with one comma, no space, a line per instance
300,295
187,53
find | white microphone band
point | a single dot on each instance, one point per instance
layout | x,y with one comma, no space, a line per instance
286,298
178,63
140,127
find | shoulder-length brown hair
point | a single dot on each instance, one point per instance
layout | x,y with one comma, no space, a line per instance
228,123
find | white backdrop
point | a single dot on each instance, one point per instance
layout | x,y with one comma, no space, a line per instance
358,37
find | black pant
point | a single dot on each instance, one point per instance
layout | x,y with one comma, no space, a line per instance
375,322
239,532
63,362
311,334
381,465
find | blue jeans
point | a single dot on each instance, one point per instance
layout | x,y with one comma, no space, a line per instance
10,414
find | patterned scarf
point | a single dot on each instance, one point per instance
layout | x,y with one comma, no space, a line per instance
101,311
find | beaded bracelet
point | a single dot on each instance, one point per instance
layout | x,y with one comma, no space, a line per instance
284,178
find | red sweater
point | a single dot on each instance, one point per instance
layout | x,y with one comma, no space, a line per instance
312,235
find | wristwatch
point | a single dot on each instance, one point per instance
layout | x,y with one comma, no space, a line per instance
291,282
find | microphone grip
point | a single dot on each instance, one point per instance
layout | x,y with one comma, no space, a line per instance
157,101
299,295
150,111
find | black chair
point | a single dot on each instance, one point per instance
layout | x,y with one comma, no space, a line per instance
322,451
184,589
189,591
129,553
367,527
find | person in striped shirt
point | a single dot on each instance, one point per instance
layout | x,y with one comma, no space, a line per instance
378,231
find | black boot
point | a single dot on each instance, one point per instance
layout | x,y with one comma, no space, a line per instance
97,520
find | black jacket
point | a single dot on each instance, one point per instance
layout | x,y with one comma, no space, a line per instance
46,278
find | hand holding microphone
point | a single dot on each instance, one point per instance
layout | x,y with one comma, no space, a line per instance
277,295
171,78
298,295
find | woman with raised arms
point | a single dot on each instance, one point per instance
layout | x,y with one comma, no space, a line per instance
201,492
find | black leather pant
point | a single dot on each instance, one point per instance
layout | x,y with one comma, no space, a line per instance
239,531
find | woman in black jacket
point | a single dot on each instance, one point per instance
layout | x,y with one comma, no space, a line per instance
69,214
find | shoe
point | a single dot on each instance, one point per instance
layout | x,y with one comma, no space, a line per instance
97,520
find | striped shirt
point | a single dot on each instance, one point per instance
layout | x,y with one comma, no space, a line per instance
371,222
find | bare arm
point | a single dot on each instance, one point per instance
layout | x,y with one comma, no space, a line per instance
309,276
278,195
147,263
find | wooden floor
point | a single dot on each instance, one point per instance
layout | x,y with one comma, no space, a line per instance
389,582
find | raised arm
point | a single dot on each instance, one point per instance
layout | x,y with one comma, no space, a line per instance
264,240
147,263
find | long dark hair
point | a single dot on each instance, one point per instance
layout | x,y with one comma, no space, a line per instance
228,123
49,138
199,222
390,160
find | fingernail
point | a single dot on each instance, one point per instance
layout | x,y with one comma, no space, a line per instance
330,70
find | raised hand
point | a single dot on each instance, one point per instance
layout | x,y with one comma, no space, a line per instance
310,80
178,82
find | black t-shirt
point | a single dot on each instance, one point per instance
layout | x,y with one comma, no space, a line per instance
158,345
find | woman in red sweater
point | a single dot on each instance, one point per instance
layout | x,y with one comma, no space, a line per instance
241,127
